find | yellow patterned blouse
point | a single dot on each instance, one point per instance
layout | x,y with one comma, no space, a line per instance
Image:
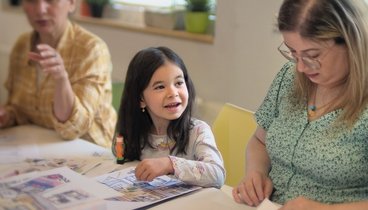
88,63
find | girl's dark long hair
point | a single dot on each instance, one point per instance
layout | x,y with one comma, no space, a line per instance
135,125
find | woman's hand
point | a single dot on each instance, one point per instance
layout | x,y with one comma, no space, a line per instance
50,61
148,169
253,189
302,203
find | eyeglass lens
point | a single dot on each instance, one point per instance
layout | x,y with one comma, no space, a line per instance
310,62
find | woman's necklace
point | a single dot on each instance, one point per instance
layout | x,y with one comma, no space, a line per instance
312,110
312,105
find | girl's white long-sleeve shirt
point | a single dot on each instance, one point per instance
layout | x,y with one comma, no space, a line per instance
202,164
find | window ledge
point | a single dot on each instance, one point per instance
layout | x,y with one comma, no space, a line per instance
205,38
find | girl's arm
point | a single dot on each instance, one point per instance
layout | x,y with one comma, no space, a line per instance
203,165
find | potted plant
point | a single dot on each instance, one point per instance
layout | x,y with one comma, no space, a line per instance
84,9
14,2
196,16
97,7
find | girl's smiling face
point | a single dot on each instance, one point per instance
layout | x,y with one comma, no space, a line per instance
166,96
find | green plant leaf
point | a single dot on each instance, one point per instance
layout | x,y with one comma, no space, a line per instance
198,5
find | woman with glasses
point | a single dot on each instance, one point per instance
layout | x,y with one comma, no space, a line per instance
310,150
59,76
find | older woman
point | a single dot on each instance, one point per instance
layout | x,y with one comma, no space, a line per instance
59,76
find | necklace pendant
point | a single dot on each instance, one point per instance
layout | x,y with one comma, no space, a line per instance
312,110
311,113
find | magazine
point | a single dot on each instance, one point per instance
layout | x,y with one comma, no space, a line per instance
90,167
60,188
137,194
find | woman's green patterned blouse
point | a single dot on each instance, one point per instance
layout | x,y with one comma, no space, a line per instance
319,159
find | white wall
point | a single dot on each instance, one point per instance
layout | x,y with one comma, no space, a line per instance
237,68
12,24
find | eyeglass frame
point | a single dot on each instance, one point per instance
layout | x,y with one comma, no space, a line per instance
313,63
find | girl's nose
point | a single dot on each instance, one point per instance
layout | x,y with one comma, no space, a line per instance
172,92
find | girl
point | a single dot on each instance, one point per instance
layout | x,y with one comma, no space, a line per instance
156,125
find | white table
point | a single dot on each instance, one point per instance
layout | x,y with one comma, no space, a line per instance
50,145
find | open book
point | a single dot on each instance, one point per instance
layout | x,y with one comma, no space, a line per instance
59,188
137,194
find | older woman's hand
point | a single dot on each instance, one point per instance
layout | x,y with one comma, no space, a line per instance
50,61
253,189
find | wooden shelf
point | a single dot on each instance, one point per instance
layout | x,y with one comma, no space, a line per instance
206,38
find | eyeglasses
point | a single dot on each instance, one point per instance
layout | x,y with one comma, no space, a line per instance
310,62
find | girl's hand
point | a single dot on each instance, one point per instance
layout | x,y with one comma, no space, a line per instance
148,169
50,61
253,189
302,203
4,117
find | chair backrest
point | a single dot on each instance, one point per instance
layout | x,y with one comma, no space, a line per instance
232,128
117,92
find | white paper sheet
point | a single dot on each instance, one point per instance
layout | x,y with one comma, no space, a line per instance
17,153
268,205
80,165
58,188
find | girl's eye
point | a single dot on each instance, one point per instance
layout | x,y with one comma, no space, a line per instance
159,87
179,83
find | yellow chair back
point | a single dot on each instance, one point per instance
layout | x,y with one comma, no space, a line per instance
232,128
